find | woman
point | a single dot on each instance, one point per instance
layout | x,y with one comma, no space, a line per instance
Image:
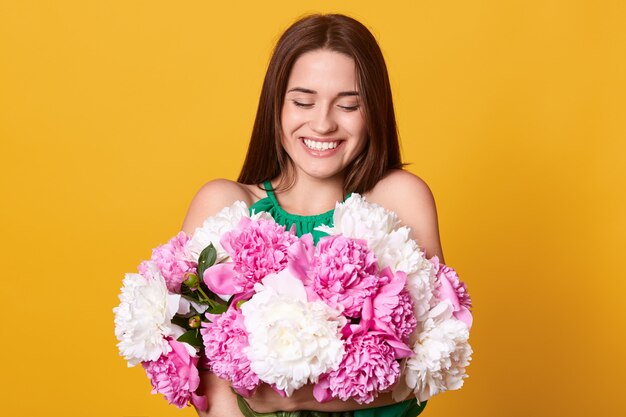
325,127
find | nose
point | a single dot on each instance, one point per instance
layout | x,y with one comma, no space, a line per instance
322,121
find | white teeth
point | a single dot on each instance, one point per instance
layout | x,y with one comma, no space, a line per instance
320,146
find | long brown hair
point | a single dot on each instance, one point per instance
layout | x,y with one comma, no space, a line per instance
266,157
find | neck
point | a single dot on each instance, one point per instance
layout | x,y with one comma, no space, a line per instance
310,196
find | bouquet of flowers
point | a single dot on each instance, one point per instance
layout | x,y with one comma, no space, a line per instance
361,312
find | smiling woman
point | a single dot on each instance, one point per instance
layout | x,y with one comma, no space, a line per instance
347,68
325,128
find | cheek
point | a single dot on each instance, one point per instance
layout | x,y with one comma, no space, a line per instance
290,120
356,125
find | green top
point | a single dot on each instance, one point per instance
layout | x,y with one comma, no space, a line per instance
304,224
307,224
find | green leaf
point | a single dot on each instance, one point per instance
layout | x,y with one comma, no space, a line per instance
218,309
206,260
180,321
192,337
195,297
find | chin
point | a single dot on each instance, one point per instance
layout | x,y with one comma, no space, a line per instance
323,174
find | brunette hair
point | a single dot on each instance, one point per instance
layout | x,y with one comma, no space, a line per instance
266,157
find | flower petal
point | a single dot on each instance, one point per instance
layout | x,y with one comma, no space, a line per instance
220,279
321,391
200,401
465,316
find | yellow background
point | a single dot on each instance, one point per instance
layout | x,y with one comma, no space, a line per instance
113,113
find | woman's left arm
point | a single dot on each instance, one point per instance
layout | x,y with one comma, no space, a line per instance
411,199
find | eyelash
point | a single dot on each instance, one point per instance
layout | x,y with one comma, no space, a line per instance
308,106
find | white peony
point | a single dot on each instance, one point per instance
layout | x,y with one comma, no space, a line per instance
292,341
421,284
358,219
441,354
214,227
398,251
143,318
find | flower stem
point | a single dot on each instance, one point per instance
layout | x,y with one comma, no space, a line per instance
206,297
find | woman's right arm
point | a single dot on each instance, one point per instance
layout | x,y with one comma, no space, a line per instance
210,199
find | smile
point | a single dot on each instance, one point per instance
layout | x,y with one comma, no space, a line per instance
320,146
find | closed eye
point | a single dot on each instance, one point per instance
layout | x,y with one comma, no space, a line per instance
350,108
303,105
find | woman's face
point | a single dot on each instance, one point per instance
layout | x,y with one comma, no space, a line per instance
323,126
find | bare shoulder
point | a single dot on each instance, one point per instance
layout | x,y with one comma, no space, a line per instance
412,200
212,197
402,192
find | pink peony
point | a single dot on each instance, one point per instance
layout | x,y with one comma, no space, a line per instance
224,343
451,289
344,273
393,305
368,367
401,318
175,375
257,249
173,262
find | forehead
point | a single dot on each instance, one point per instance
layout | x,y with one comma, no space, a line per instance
324,71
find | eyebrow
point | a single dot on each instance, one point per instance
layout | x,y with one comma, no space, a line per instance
309,91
